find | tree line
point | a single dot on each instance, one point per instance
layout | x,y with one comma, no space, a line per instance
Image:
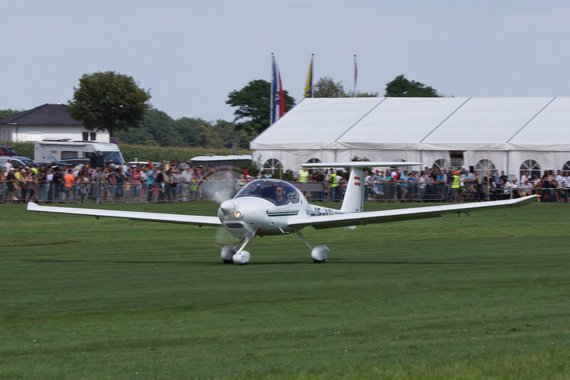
115,103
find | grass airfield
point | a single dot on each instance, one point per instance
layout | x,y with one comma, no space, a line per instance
475,297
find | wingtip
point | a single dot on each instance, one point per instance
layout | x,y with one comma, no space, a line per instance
32,206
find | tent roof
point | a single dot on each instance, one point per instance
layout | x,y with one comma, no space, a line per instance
549,128
422,123
316,121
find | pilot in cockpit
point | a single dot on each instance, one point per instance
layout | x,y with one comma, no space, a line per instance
280,198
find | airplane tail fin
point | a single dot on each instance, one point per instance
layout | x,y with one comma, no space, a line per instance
354,195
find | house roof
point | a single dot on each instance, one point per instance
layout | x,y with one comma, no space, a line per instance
47,114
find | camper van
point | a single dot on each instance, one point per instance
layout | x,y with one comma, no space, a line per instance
64,149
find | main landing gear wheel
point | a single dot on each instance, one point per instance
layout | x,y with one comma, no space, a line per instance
227,254
241,258
319,253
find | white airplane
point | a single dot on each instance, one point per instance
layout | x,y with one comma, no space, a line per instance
275,207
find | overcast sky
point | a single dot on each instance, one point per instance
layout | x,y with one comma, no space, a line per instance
191,54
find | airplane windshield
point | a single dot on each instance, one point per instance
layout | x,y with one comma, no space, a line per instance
277,192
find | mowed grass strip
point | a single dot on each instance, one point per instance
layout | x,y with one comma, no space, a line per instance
479,296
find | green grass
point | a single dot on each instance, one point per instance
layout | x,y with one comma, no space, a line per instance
480,297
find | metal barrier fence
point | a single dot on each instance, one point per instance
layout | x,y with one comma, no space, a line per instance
225,189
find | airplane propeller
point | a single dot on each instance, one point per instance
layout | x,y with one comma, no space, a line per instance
220,186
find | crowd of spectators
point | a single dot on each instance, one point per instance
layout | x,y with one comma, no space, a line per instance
50,183
444,185
180,181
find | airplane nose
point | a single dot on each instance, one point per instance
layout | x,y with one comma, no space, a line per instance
227,207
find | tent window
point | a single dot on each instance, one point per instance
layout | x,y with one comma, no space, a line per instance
313,161
566,166
440,164
485,168
532,167
273,166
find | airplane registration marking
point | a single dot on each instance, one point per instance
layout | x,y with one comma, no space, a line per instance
318,211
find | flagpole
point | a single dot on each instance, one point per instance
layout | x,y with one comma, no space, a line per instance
355,76
272,91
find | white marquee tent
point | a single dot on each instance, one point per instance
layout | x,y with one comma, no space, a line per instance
506,134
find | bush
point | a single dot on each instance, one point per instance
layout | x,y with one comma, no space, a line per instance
141,152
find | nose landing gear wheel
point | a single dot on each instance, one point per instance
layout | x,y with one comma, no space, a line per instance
241,258
227,254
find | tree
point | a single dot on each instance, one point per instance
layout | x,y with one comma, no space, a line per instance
108,101
402,87
7,113
162,128
197,132
326,87
231,137
253,102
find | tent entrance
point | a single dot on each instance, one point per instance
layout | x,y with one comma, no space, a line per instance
456,158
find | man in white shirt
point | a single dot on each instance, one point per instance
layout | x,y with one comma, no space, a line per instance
567,185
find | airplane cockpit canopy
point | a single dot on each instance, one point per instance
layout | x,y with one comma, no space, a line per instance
268,188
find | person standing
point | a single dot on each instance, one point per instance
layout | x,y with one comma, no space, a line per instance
149,183
333,186
455,186
303,175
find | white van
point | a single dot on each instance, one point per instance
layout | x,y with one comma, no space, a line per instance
99,153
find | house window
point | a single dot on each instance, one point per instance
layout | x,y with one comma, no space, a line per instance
89,136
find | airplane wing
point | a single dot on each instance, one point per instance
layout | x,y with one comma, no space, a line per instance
147,216
362,218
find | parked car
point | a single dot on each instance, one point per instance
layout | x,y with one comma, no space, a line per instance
133,164
73,162
16,161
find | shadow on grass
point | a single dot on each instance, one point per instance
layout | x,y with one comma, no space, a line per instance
255,263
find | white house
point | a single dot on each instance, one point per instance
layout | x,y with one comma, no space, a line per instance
49,121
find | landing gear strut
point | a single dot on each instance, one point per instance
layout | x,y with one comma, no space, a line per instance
319,253
231,255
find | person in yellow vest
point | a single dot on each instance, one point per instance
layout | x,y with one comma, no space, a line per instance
455,186
333,186
303,176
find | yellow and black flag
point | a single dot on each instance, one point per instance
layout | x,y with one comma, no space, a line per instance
309,80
